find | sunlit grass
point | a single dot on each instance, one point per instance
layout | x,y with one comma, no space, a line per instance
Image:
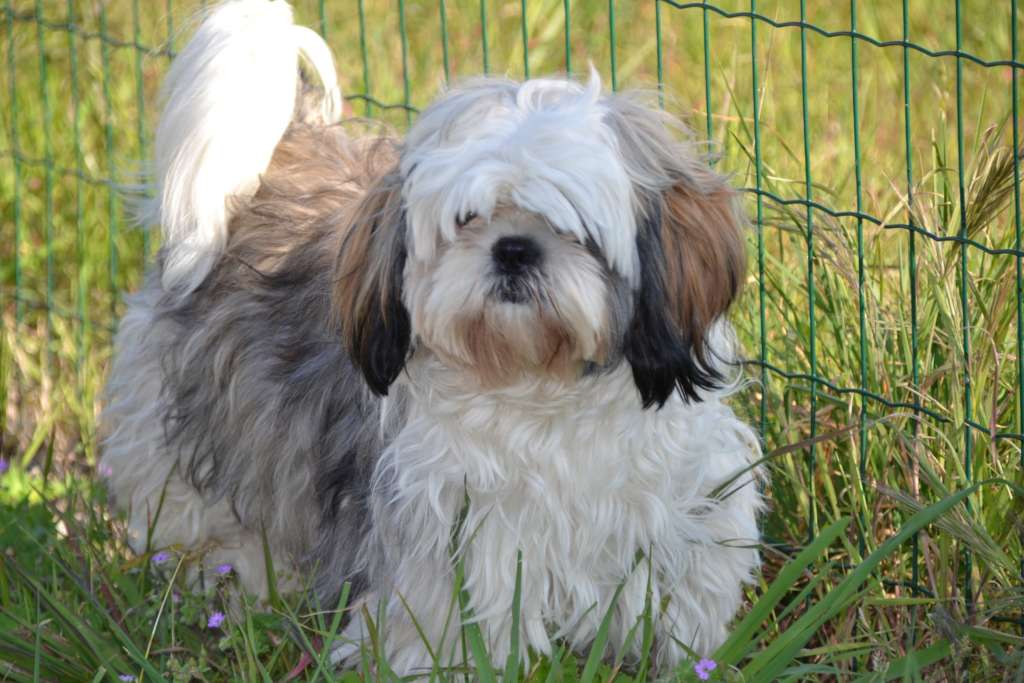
887,438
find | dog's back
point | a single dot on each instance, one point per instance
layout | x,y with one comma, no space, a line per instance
232,407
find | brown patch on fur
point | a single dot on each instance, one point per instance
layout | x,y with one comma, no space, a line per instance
327,187
496,360
316,174
365,277
705,256
605,340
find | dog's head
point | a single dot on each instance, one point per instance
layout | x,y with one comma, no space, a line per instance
543,228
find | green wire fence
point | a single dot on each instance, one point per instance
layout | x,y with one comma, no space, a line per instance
884,316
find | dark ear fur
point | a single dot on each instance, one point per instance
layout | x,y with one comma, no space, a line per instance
368,285
692,260
691,252
658,352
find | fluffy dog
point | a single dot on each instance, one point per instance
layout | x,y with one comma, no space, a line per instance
501,335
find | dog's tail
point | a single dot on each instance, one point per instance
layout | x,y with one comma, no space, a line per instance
228,99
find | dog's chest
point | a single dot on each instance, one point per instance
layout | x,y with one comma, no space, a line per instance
589,488
586,479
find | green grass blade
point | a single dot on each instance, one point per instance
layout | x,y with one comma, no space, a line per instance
512,663
739,640
38,642
772,661
324,656
93,647
471,631
555,666
908,667
273,596
435,662
647,637
18,652
598,647
478,648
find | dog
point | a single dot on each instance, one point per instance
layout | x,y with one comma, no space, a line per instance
498,345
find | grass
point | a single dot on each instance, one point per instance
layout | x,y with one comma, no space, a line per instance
894,543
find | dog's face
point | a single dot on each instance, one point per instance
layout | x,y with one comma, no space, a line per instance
542,229
510,295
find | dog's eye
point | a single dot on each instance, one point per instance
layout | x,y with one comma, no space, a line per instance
465,218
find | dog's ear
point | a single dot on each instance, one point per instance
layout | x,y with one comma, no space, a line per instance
692,260
368,285
691,254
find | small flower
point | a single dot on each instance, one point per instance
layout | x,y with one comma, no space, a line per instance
216,619
704,667
127,678
106,471
225,568
175,597
4,465
160,557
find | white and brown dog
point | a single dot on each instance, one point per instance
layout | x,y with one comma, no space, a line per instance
502,334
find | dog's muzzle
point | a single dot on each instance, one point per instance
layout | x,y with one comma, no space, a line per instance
515,260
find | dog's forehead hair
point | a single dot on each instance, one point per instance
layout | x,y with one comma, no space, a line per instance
483,98
543,145
507,219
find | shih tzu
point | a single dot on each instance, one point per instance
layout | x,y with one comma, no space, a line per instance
503,334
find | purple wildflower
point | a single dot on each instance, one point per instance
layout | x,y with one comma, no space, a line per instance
704,667
160,557
225,568
4,465
106,470
216,619
175,597
127,678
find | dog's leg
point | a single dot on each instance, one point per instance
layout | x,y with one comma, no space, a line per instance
707,590
165,510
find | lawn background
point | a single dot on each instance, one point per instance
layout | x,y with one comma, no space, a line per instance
882,316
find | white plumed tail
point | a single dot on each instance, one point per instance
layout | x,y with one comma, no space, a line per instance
228,99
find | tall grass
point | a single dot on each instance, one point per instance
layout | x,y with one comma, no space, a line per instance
893,546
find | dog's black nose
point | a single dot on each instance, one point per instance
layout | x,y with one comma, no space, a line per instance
515,255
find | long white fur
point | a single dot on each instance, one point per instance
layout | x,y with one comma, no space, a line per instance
578,477
229,96
520,140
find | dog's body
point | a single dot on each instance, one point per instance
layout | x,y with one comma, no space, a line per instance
549,393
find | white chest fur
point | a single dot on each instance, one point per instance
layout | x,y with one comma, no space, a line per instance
594,491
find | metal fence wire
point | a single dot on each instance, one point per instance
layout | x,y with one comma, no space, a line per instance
884,317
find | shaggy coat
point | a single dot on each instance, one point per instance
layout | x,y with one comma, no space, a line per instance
500,337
